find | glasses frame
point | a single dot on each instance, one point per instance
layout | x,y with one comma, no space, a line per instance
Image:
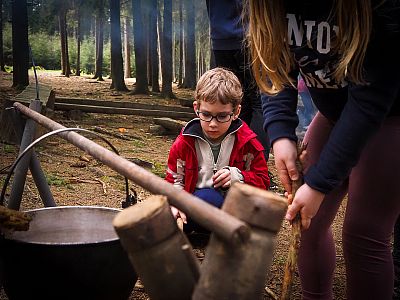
198,112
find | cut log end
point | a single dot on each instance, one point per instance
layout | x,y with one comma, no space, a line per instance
139,212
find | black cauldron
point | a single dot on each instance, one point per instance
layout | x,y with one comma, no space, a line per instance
69,252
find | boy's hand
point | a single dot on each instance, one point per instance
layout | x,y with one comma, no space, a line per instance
178,214
222,178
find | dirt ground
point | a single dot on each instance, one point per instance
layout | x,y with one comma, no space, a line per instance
75,178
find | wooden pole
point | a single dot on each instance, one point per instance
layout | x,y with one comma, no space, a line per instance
240,272
159,252
226,226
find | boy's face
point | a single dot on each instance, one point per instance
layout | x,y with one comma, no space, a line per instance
215,130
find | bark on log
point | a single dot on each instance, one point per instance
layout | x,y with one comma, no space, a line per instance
122,104
124,111
13,219
159,252
243,270
171,125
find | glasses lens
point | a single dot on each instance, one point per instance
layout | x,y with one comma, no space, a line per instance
205,116
223,118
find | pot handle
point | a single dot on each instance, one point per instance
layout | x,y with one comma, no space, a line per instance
130,199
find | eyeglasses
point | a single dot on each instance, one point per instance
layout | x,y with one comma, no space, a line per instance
221,118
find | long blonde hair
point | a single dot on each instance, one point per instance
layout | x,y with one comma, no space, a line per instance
271,57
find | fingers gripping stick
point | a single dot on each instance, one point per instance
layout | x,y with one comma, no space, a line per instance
295,236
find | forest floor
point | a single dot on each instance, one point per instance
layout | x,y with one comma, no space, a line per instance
75,178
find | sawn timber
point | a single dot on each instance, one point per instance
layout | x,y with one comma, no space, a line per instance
124,108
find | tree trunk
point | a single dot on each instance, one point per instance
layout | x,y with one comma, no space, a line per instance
117,68
140,49
20,43
99,41
180,76
155,87
190,51
78,42
62,17
127,48
166,60
2,68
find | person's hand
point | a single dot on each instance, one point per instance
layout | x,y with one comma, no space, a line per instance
306,201
178,214
222,178
285,155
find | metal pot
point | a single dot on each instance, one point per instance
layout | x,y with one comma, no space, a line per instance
69,252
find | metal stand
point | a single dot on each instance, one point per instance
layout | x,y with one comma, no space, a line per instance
29,161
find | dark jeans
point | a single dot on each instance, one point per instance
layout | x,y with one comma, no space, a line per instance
237,62
209,195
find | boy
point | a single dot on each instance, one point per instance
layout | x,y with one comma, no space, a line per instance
216,149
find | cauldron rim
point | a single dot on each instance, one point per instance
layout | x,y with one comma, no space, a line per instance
15,236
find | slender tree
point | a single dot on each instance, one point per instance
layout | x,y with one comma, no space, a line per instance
189,80
117,73
62,19
99,37
155,87
20,44
140,49
180,76
78,38
166,58
127,48
2,67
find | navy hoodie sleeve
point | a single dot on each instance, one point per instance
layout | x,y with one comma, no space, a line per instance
365,110
280,117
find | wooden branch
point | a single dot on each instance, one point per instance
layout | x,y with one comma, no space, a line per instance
95,181
13,219
125,137
270,293
295,236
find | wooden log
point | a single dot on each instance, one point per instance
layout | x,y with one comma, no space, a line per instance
186,102
171,125
123,104
224,225
242,271
46,95
124,111
157,130
13,219
159,252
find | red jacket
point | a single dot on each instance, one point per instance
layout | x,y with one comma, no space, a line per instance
247,155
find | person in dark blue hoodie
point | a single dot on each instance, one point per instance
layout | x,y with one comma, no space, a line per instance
230,52
347,52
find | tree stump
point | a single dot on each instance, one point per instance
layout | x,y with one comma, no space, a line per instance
241,272
159,252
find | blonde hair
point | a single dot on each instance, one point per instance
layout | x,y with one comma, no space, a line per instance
270,52
221,85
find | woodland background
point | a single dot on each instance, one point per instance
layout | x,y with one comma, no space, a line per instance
152,40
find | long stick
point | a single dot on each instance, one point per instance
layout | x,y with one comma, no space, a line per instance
295,236
229,228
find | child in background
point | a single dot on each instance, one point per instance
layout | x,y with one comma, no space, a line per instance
216,149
